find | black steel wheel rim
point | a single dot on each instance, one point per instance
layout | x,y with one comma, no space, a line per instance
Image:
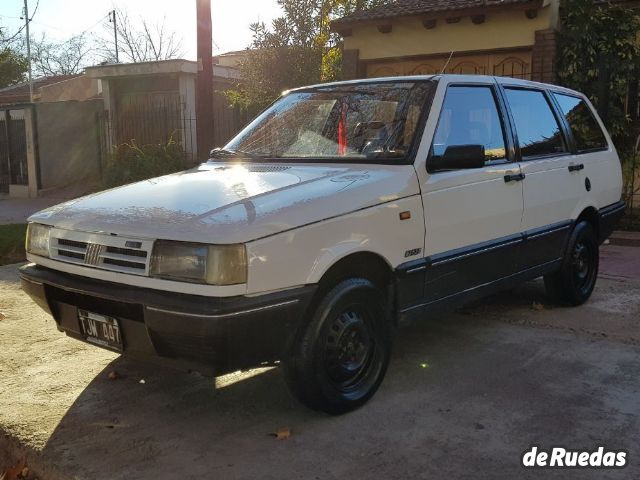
583,265
349,348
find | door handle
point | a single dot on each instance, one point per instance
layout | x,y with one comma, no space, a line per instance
513,177
576,167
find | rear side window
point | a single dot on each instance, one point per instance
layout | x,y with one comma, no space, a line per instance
586,131
538,131
470,116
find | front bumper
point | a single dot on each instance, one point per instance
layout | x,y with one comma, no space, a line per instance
223,334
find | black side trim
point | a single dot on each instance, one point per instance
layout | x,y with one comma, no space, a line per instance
542,231
418,311
483,247
612,209
415,266
410,281
609,218
544,244
448,274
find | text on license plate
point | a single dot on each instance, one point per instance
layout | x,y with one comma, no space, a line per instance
100,329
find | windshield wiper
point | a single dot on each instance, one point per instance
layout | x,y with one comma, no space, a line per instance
225,152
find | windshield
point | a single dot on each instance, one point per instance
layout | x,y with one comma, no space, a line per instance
340,122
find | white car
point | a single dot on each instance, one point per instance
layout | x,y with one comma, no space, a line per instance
342,211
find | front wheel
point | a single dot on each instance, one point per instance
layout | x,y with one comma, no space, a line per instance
576,279
343,351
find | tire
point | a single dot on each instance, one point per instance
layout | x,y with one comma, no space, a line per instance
342,353
576,279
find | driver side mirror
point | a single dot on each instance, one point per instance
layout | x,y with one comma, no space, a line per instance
458,157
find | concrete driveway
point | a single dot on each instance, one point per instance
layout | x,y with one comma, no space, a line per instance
465,395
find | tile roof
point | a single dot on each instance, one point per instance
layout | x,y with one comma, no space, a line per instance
400,8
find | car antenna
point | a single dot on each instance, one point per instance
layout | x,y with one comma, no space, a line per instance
447,64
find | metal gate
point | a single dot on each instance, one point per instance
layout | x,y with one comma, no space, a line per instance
13,149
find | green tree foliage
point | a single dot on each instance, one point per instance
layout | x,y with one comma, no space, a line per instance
599,54
298,49
13,65
131,162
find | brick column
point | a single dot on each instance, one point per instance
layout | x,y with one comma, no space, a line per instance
350,60
543,56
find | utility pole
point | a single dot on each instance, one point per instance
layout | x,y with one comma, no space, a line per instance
26,25
204,88
112,18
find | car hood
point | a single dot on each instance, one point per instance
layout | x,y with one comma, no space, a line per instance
232,203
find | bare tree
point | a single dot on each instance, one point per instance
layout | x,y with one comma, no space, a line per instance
140,41
49,57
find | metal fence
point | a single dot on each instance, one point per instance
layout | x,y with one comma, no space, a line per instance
157,121
148,122
13,149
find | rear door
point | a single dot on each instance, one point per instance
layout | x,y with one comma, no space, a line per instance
552,188
594,161
472,215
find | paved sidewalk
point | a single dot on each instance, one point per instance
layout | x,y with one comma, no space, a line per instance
626,239
17,210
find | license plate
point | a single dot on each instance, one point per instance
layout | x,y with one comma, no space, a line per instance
101,330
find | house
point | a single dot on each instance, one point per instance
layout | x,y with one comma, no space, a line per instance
64,135
52,140
152,101
515,38
230,59
494,37
19,93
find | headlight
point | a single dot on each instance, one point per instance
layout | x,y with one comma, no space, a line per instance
37,241
199,263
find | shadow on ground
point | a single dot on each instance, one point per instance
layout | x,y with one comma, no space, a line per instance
465,395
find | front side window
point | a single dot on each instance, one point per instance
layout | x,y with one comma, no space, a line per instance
347,123
587,134
538,131
469,117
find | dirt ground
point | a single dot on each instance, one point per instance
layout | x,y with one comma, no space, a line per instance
465,395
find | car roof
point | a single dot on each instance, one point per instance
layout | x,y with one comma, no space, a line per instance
448,76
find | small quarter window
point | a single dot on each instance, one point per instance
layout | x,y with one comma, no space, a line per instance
584,127
537,128
469,117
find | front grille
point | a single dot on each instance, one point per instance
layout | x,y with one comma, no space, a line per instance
127,251
107,252
71,249
123,263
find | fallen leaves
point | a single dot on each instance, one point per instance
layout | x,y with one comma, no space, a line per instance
282,433
113,375
2,316
537,306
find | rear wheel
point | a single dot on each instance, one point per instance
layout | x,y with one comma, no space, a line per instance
343,352
576,279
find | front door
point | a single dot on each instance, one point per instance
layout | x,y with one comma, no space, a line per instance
472,215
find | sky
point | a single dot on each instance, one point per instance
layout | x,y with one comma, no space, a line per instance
61,19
